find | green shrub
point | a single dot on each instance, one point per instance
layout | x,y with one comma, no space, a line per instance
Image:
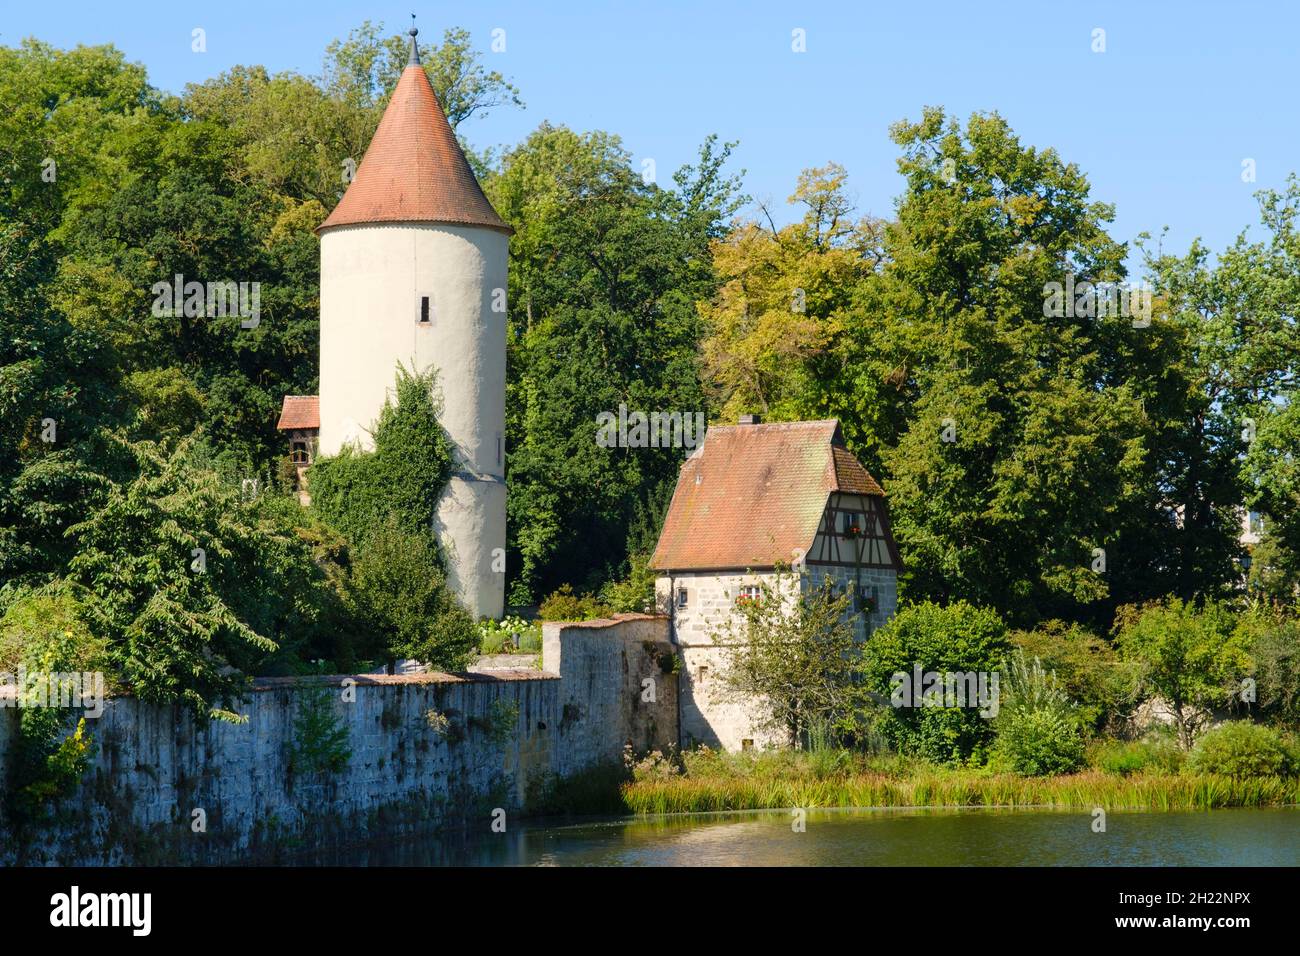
1038,726
195,580
398,587
1041,741
1087,667
51,625
1128,757
955,638
636,593
563,605
1241,749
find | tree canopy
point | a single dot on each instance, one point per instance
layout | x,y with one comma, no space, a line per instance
1045,458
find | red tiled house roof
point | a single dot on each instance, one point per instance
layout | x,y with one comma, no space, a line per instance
753,495
299,411
414,169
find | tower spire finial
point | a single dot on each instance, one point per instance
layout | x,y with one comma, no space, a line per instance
414,59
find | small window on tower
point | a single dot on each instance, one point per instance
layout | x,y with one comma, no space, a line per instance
499,448
426,311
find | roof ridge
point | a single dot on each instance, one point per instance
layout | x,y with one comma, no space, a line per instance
802,423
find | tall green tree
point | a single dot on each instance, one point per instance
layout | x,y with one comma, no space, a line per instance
605,271
1193,659
1015,443
773,327
1254,334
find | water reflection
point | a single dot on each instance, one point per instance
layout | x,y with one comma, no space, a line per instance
886,837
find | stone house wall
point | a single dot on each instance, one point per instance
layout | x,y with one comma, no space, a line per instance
711,714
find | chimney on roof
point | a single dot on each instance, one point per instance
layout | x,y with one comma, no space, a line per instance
751,419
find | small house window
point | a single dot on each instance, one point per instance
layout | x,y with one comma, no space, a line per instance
426,310
748,594
681,597
702,673
298,453
747,744
851,524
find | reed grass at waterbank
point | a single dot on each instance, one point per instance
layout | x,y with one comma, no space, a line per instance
728,783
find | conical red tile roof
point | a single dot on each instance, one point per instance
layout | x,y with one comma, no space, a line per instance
414,170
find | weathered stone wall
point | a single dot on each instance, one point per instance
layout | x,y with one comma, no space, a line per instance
711,714
420,749
619,674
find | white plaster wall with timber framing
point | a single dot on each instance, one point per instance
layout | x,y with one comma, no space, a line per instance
855,547
422,294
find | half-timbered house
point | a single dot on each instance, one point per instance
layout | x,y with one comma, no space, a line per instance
783,505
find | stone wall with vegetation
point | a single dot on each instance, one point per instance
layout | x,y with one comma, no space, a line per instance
322,762
620,674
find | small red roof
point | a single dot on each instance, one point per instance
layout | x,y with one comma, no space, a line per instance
414,169
299,411
753,495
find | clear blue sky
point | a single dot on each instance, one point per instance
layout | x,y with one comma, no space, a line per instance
1160,122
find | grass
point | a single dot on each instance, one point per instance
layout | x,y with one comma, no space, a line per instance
710,781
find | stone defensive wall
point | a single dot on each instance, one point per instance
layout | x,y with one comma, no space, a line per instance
330,761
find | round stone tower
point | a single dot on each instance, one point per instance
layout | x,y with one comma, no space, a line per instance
413,271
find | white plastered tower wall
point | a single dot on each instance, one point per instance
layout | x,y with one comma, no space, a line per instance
373,278
413,272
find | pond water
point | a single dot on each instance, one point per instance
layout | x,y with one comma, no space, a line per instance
877,837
